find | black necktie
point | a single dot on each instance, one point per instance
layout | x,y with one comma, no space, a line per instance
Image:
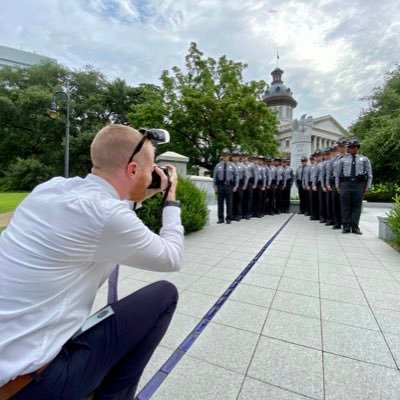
353,168
224,173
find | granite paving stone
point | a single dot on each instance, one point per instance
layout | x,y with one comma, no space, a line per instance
299,286
352,342
193,379
289,366
262,280
225,346
343,294
388,320
348,314
253,389
293,328
347,379
253,295
297,304
211,286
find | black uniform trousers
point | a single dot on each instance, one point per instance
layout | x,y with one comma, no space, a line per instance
247,205
322,203
286,196
224,196
257,200
270,199
302,197
238,201
329,206
307,202
314,203
351,196
278,197
337,212
109,358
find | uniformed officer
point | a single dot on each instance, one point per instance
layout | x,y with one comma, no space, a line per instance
299,184
323,214
247,208
260,187
243,180
226,181
307,185
337,213
314,185
280,184
327,185
353,180
271,187
289,176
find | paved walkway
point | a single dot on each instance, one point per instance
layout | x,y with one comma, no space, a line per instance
317,317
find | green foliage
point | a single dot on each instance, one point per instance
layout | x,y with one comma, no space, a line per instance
379,129
209,107
194,209
26,131
26,174
393,220
10,201
383,193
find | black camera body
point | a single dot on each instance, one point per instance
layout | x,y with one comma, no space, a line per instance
156,179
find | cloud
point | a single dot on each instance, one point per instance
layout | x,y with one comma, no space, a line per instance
333,51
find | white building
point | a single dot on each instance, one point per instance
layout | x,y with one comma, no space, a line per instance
14,57
325,130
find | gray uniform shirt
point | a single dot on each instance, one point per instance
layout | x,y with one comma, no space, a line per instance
289,174
262,177
306,175
299,176
232,177
251,171
313,172
362,168
243,174
280,176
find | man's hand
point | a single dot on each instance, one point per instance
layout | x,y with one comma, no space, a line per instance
366,190
234,189
165,181
338,189
324,189
329,189
314,188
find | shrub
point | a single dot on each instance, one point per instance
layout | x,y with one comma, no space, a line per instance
193,206
382,192
393,220
24,175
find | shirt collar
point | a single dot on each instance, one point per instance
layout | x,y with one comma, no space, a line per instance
104,184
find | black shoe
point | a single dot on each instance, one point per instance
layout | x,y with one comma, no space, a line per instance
237,219
322,221
313,219
247,217
307,214
220,221
336,226
329,223
356,231
228,221
347,230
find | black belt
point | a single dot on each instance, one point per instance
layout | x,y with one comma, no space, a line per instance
358,178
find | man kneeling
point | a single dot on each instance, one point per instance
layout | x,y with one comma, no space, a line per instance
61,245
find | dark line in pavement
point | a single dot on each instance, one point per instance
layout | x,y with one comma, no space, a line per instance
155,382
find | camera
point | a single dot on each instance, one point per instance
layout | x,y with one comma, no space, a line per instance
156,179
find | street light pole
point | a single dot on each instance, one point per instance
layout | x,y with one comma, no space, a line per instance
53,113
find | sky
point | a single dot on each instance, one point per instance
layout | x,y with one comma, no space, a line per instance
333,52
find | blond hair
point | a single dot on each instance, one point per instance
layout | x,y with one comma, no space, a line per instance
112,147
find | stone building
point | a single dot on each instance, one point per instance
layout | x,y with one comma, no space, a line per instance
320,132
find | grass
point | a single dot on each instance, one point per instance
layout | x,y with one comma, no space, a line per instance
10,201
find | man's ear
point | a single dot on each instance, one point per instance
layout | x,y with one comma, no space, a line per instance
132,168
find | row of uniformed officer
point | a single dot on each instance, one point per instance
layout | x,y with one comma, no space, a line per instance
251,189
331,188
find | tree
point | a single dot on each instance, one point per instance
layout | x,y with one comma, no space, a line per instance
28,134
379,129
207,108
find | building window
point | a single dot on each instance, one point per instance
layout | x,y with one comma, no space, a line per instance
287,143
280,112
278,89
287,112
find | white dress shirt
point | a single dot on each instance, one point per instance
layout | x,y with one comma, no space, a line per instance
63,241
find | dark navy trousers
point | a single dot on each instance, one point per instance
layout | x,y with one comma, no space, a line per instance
109,358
